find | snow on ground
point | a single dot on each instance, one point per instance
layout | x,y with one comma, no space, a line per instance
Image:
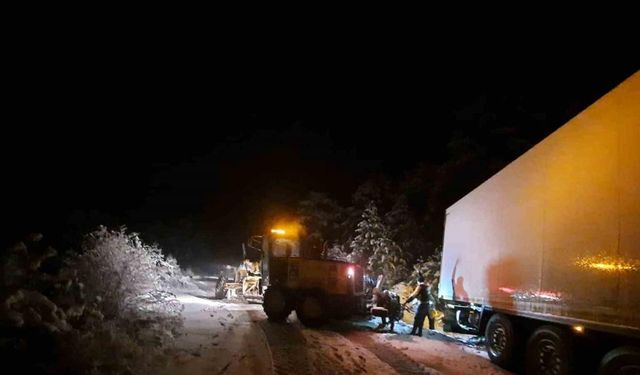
442,353
221,337
225,337
217,338
446,352
332,353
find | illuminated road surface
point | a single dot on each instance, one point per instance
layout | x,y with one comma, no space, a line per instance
234,338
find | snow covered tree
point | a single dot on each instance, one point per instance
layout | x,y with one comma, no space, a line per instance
373,249
376,189
337,252
388,259
320,216
349,220
403,228
369,231
429,268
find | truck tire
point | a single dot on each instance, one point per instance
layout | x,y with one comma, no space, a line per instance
311,310
501,340
275,304
622,360
219,290
548,351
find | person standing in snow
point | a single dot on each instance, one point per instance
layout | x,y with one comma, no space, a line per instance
423,294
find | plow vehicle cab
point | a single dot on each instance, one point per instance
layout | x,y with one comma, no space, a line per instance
298,279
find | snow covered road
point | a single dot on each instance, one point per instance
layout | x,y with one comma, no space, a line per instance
219,338
233,338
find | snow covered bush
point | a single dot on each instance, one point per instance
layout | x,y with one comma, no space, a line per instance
107,310
176,277
125,276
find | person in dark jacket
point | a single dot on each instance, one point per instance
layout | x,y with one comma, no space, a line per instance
386,306
381,302
422,293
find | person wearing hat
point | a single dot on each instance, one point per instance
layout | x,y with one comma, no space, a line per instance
422,294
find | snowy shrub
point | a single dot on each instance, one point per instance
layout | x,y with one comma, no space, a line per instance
178,279
125,276
109,349
189,272
21,265
107,310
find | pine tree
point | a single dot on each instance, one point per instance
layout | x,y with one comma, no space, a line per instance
321,217
403,228
373,249
336,252
369,232
388,259
377,189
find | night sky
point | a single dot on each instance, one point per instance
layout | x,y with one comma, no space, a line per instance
136,143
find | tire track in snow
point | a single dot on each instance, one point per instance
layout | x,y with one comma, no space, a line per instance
287,346
386,353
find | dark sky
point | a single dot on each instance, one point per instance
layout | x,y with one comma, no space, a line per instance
144,141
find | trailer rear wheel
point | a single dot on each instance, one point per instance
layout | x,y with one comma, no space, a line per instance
311,311
275,305
548,351
501,340
623,360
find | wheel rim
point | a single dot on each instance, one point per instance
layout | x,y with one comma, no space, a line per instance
498,341
549,359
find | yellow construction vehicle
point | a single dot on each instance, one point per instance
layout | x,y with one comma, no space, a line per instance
243,281
295,277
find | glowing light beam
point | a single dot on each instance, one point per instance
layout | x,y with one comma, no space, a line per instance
608,263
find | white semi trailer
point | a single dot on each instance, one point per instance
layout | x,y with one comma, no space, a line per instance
543,259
